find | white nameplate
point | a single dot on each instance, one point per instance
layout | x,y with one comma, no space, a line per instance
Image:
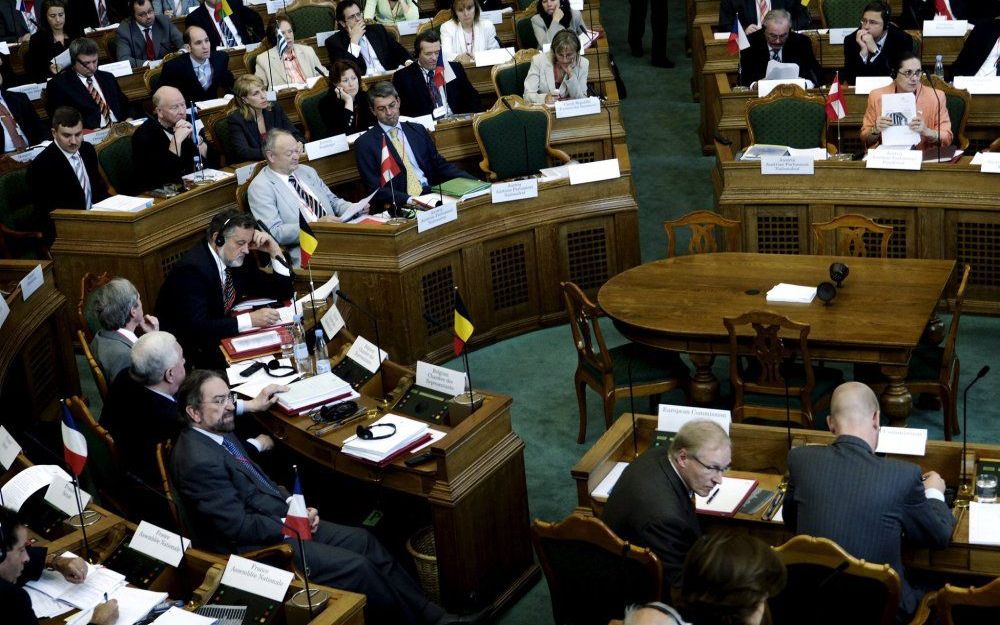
4,310
671,418
321,37
894,159
332,321
427,121
31,282
117,69
434,217
576,5
863,85
516,190
256,578
838,35
990,163
493,17
273,6
34,92
243,173
945,28
902,441
765,87
252,46
325,147
62,495
577,107
8,446
158,543
720,36
580,173
787,165
410,27
97,136
364,353
440,379
976,85
497,56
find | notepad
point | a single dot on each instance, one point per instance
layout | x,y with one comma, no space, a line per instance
732,492
791,293
984,523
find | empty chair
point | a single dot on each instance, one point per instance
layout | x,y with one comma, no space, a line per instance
850,232
705,227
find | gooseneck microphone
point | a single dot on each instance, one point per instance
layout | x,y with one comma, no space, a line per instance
965,415
378,338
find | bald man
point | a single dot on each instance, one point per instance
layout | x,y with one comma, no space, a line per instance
864,503
163,147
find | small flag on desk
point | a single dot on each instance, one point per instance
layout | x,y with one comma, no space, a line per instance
443,73
74,443
390,168
298,515
307,241
222,10
836,106
282,42
737,38
463,325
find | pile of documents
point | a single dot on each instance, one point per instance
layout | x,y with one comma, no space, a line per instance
318,390
409,434
791,293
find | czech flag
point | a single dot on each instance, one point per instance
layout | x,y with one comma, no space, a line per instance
836,106
390,168
463,325
222,10
298,517
74,444
307,241
443,73
737,38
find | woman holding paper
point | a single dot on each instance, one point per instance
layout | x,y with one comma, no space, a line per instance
931,122
344,108
553,16
466,33
559,74
391,11
50,40
251,118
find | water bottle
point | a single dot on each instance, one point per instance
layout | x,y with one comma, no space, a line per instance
322,357
287,342
939,67
303,363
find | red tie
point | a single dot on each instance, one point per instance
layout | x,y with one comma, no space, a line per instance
96,95
150,50
942,9
11,125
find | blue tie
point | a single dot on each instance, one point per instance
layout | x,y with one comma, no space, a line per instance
237,453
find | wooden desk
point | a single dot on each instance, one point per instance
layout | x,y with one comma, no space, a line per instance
678,304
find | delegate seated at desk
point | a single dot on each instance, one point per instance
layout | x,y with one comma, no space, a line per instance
162,148
25,127
370,47
203,73
467,32
54,34
92,91
559,74
118,309
980,55
290,63
751,15
252,117
418,87
931,122
344,109
236,29
553,16
872,49
776,42
145,36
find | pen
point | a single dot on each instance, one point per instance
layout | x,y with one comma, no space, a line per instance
712,495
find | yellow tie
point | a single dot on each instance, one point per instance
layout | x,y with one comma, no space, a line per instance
413,187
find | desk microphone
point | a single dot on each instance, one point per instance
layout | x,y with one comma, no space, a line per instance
170,501
378,338
965,415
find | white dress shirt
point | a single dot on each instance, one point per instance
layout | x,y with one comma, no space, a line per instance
362,47
989,67
8,143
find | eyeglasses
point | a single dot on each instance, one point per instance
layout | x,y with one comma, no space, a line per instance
712,468
353,17
911,73
222,400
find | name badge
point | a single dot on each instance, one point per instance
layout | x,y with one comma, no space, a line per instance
366,354
159,543
437,216
325,147
577,107
256,578
786,166
440,379
910,160
62,495
515,190
31,282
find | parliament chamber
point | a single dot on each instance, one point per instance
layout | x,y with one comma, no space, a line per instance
462,514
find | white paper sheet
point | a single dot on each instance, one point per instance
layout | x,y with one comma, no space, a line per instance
726,497
984,523
903,441
603,490
901,108
23,485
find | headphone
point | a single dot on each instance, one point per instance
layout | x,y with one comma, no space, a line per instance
365,432
219,239
271,368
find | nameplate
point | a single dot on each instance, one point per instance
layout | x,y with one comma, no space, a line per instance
485,58
990,163
894,159
117,69
576,5
4,48
720,36
427,121
517,190
31,282
440,379
945,28
765,87
434,217
366,354
8,446
978,85
902,441
321,37
34,91
97,136
243,173
158,543
787,165
838,35
494,17
332,322
4,310
256,578
62,495
273,6
409,27
863,85
577,107
325,147
580,173
670,418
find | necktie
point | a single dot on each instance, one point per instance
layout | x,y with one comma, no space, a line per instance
11,125
102,13
203,77
942,9
262,481
101,104
775,54
228,34
435,93
307,197
412,183
763,6
228,292
81,175
366,54
150,50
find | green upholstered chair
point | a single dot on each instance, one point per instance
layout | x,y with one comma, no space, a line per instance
841,13
787,116
17,212
504,133
114,154
958,102
524,5
653,371
307,106
309,17
218,134
250,57
152,77
525,34
508,78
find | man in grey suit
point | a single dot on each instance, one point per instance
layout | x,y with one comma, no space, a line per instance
284,190
863,502
118,309
146,36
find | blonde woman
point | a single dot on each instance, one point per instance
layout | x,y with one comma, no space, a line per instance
559,74
466,33
252,117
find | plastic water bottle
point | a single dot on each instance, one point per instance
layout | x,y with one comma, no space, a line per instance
303,363
322,357
939,67
287,342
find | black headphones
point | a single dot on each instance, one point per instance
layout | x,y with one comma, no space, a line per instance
365,433
270,368
336,412
219,239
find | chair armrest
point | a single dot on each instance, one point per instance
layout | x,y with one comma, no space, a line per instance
925,609
281,552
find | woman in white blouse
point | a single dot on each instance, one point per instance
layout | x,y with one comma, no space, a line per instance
466,33
554,15
559,74
390,11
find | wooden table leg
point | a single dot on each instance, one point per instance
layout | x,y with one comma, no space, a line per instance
704,384
896,399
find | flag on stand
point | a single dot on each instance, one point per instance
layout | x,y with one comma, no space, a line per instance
222,10
74,444
443,73
390,168
836,106
298,516
737,38
463,325
307,241
282,42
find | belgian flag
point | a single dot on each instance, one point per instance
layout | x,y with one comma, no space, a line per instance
307,241
463,325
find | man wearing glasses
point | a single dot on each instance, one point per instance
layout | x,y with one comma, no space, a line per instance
875,45
776,42
652,505
931,122
370,46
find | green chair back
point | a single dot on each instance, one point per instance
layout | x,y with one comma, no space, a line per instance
309,20
525,34
524,4
510,80
220,129
842,13
16,207
311,119
116,161
790,122
956,111
504,138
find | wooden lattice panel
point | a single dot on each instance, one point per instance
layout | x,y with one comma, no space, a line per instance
438,290
509,276
978,244
778,234
897,243
587,256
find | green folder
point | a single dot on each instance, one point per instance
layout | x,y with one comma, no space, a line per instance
459,187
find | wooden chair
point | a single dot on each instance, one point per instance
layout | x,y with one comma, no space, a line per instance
250,57
114,154
17,211
439,18
958,102
89,283
105,464
787,116
592,573
994,147
217,134
309,17
508,78
861,594
704,226
606,370
95,368
152,77
840,13
850,231
307,106
777,369
968,606
509,128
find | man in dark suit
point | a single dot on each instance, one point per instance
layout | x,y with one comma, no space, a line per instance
93,92
12,23
872,49
65,174
197,297
751,18
777,42
201,75
915,12
422,167
652,505
370,46
416,87
163,147
19,123
980,56
146,36
243,26
658,24
864,503
96,13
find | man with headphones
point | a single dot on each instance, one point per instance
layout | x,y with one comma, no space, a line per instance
196,300
931,122
875,45
92,91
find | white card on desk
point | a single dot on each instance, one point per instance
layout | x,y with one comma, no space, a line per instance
902,441
256,578
787,165
580,173
409,27
671,417
159,543
978,85
837,35
273,6
447,381
332,321
911,160
577,107
33,91
765,87
984,523
31,282
863,85
514,190
62,495
325,147
363,352
8,446
118,68
485,58
495,17
437,216
945,28
322,36
990,162
576,5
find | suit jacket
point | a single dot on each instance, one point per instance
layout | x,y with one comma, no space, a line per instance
12,24
112,351
545,35
747,10
16,604
85,12
27,119
66,89
977,47
190,304
652,507
866,504
339,120
930,101
368,152
132,43
897,41
153,163
54,184
797,49
453,38
415,98
231,512
271,69
179,73
245,143
248,25
541,79
390,54
42,48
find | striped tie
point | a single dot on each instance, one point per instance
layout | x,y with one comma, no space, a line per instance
307,197
228,34
413,187
101,104
228,291
262,481
81,175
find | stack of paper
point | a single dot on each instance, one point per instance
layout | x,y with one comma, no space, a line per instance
726,498
133,604
409,432
255,341
123,203
758,150
984,523
315,391
83,596
791,293
26,483
603,490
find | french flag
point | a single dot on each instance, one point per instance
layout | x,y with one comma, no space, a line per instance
298,516
737,38
74,444
390,169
